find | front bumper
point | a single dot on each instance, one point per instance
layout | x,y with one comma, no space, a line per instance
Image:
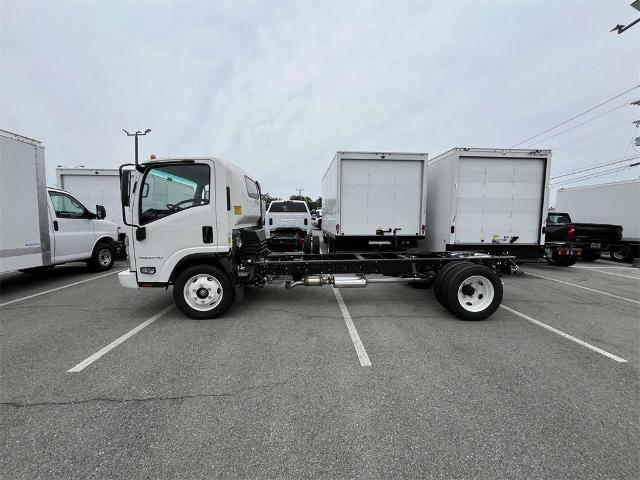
128,279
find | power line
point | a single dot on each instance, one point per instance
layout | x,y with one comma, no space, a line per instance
626,122
599,174
583,123
633,157
574,117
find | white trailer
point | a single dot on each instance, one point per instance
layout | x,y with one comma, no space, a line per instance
40,226
94,187
374,199
492,200
614,203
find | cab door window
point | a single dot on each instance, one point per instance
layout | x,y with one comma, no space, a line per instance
170,189
66,206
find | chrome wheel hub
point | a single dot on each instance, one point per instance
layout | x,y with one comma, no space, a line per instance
203,292
476,293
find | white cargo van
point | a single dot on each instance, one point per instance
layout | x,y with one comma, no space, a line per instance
39,226
487,199
374,200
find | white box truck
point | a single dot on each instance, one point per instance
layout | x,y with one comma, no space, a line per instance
94,186
374,200
39,226
615,203
490,200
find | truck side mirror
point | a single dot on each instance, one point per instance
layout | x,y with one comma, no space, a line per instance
101,212
124,188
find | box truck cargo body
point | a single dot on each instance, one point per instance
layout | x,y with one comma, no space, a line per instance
94,187
24,239
490,200
613,203
374,200
41,226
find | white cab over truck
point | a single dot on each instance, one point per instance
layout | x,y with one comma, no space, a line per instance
41,227
288,227
94,186
490,200
211,243
374,200
615,203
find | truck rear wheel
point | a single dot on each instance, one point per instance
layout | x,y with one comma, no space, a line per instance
473,293
202,292
438,284
315,245
621,253
102,258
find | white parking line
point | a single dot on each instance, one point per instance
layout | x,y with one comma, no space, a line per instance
565,335
615,267
355,338
617,274
89,360
60,288
584,288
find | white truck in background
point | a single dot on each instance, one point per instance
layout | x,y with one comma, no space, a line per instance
94,186
40,226
490,200
608,203
288,227
373,200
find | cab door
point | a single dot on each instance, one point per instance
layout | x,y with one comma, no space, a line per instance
176,216
72,228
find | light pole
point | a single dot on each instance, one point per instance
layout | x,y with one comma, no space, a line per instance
136,143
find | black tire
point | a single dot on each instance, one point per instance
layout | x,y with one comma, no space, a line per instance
315,245
590,256
213,278
622,253
440,277
564,262
331,245
102,257
306,246
487,298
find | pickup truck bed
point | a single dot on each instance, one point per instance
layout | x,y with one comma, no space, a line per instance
592,238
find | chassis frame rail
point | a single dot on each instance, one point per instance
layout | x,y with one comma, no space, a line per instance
413,263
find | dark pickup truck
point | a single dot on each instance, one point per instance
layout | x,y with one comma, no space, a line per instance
592,238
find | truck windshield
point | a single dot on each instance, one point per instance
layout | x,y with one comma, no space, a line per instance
281,207
558,218
172,188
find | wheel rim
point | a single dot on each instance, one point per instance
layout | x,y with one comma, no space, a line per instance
476,293
203,292
618,255
104,257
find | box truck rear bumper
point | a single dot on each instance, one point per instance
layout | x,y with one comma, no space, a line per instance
128,279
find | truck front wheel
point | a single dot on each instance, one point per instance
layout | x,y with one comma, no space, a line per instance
202,292
102,258
473,293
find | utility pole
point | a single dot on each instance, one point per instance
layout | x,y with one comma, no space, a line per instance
136,142
300,189
621,28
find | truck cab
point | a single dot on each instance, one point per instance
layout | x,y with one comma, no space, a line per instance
78,234
183,211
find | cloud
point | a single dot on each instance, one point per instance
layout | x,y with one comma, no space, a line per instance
279,87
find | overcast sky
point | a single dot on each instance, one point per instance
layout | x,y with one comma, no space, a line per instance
279,87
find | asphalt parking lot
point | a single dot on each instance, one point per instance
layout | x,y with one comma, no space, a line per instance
379,382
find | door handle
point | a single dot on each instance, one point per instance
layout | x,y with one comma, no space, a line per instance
55,225
207,234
